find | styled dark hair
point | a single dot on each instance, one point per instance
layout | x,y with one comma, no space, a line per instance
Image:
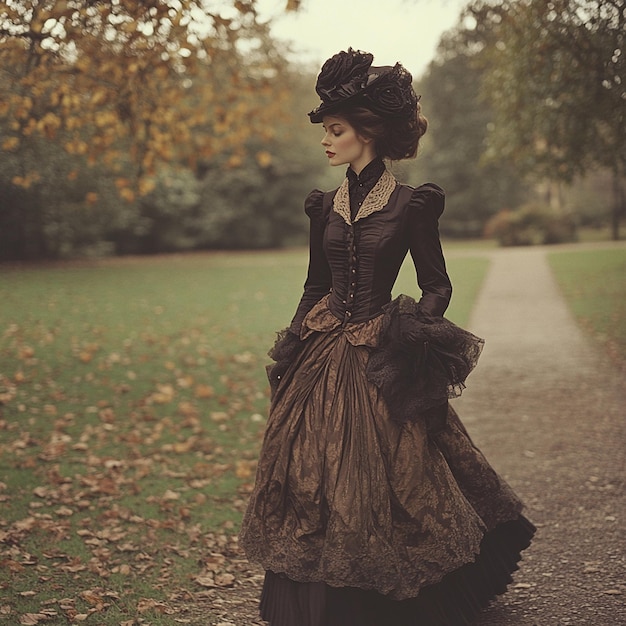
394,138
379,102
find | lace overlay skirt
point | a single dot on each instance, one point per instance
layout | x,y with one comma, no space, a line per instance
349,498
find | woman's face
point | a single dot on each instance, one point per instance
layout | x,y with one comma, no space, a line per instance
343,144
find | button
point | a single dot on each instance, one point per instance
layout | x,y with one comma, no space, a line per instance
352,284
354,272
343,302
351,295
348,314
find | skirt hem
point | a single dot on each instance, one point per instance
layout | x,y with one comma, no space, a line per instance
454,601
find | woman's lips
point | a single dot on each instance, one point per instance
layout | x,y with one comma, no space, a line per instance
330,154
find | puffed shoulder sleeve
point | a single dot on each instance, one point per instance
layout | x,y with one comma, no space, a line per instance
424,209
314,204
318,281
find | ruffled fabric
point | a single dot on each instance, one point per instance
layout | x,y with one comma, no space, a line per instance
418,361
422,362
455,601
320,319
286,348
288,344
421,505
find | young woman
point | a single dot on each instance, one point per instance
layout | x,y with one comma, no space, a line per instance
371,506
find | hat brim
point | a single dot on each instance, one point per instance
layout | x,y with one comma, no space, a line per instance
317,115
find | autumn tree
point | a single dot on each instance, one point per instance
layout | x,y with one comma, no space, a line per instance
109,70
555,76
107,93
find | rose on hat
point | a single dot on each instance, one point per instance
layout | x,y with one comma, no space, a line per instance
349,78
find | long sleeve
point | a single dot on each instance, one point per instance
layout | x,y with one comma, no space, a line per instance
318,281
425,207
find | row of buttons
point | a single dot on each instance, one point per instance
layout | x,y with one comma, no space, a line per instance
352,265
349,303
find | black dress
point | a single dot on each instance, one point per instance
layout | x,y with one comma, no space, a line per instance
372,506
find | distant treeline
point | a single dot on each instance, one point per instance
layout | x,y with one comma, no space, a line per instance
125,131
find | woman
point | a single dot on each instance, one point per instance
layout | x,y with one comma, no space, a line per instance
371,505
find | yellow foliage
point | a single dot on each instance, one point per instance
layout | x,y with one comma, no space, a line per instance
234,161
264,158
76,146
11,143
25,181
129,27
146,185
105,118
98,97
127,194
49,124
120,86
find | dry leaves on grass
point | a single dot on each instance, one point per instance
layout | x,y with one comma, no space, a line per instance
124,486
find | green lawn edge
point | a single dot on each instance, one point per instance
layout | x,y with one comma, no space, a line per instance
593,283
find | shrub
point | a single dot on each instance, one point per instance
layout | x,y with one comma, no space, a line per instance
531,224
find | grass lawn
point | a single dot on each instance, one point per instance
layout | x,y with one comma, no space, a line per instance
132,403
594,285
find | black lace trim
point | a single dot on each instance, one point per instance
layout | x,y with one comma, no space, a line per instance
422,362
284,351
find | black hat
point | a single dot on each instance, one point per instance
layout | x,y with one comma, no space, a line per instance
350,79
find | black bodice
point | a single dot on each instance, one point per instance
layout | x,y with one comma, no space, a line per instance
358,262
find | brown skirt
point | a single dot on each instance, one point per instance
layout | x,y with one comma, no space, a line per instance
348,501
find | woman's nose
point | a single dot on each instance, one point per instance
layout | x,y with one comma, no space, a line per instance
325,141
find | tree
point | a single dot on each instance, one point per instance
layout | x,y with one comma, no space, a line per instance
107,97
459,122
249,200
111,77
555,76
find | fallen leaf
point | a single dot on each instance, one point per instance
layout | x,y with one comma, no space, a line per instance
225,580
150,604
205,581
31,619
204,391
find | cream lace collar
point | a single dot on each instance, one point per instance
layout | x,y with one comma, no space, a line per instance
375,200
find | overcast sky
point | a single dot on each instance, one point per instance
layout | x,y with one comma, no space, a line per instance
393,30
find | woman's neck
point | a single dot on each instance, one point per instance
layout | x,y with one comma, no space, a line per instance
360,165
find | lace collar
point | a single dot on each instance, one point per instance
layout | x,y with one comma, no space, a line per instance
375,200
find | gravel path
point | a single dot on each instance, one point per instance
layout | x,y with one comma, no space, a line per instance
547,409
